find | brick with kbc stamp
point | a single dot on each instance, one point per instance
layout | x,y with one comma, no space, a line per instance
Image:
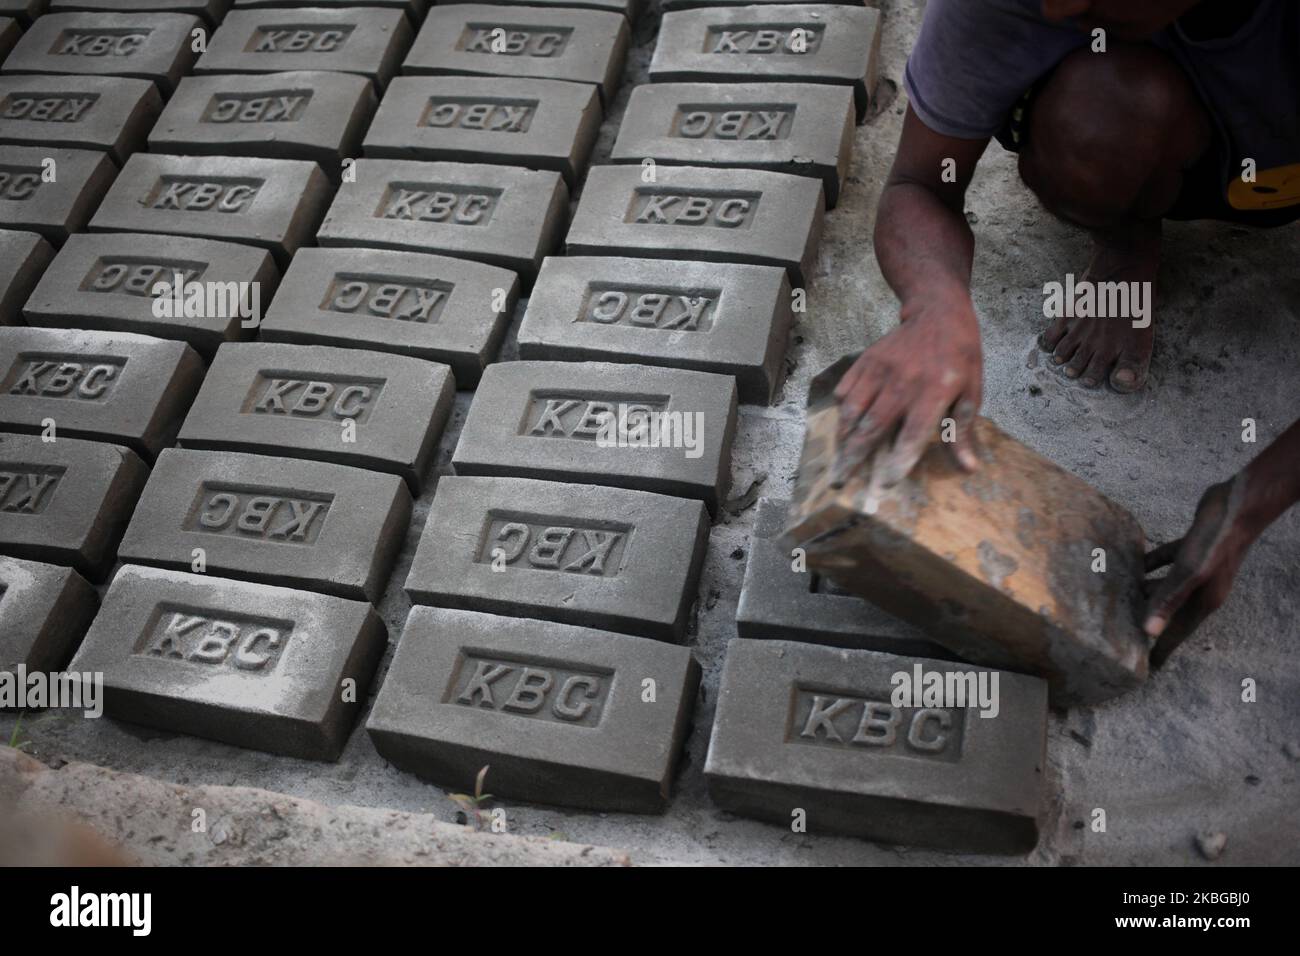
109,113
610,558
282,521
727,318
44,612
24,257
121,388
354,407
562,715
51,191
262,667
415,9
693,213
634,426
437,308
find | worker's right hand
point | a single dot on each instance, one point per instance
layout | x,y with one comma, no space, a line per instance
901,388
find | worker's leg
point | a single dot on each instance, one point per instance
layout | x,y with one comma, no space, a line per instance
1108,139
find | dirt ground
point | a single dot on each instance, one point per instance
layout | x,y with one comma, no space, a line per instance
1182,756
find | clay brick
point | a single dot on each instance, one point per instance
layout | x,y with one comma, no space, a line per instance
496,214
272,203
44,611
10,33
812,728
474,39
109,113
67,501
550,420
667,5
628,8
125,389
282,521
780,603
369,41
801,128
211,11
712,215
54,209
556,711
23,258
148,46
599,557
105,281
22,11
251,665
725,318
539,124
841,45
414,8
304,115
307,401
430,307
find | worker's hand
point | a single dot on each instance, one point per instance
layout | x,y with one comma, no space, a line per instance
1205,562
906,383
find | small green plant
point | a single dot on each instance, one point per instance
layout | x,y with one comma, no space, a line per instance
16,739
472,807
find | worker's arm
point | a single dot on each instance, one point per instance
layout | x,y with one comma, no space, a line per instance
1229,518
929,367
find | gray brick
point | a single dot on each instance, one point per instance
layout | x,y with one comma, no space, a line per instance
115,387
539,124
801,128
496,214
779,603
282,521
725,318
414,8
211,11
588,46
54,209
148,46
10,33
24,256
44,612
298,400
109,113
429,307
303,115
556,711
600,557
629,8
807,727
544,420
22,11
105,281
712,215
365,40
668,5
272,203
66,502
251,665
757,43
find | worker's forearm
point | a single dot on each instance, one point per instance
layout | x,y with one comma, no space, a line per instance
924,247
1273,480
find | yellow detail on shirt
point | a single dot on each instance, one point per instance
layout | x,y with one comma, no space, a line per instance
1272,189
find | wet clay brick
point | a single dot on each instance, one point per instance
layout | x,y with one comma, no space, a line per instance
272,203
628,8
126,389
580,421
148,46
778,602
251,665
210,10
539,124
712,215
807,727
283,521
414,8
526,42
365,40
430,307
368,409
777,43
668,5
44,611
725,318
109,113
55,209
556,711
304,115
105,281
496,214
801,128
67,501
24,256
601,557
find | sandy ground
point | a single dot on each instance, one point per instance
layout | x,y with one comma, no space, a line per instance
1183,755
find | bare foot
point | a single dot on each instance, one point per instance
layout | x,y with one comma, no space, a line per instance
1098,348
